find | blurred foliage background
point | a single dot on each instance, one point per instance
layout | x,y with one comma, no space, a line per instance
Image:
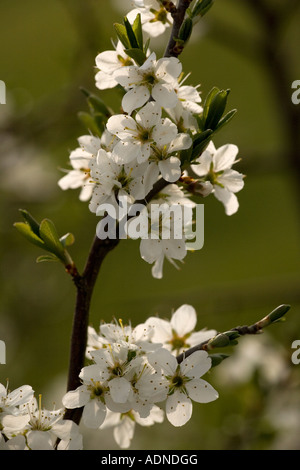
249,263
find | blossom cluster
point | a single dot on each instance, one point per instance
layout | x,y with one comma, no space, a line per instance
132,378
144,143
134,374
25,425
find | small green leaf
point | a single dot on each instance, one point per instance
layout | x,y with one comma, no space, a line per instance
201,8
122,35
186,30
44,258
130,34
137,55
49,234
138,31
216,109
34,225
200,143
98,106
89,123
225,119
25,229
213,92
216,359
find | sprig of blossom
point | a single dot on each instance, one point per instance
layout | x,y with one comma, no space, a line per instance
154,17
133,372
25,425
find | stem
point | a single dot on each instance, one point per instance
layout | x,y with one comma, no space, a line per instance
173,48
85,283
224,339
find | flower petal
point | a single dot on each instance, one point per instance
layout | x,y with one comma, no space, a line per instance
170,169
228,199
135,98
184,320
225,157
201,391
178,409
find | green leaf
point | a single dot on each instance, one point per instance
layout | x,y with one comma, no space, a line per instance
122,35
200,143
186,30
130,34
52,243
201,8
25,229
44,258
138,31
89,123
225,119
67,240
98,106
213,92
216,109
137,55
34,225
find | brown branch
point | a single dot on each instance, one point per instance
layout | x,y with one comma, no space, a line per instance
173,48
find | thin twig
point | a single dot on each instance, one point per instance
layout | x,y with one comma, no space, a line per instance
225,339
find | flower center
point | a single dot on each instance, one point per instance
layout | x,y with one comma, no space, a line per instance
159,15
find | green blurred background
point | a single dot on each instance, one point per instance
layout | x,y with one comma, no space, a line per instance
250,261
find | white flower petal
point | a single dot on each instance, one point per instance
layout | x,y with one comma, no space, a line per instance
149,115
168,68
108,61
94,414
196,365
125,152
124,127
228,199
123,433
39,440
201,391
165,95
120,389
225,157
178,408
184,320
170,169
76,398
135,98
103,81
232,180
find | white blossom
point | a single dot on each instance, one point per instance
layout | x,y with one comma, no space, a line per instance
112,180
79,176
42,428
214,165
155,78
108,62
124,424
11,400
154,17
185,383
137,136
178,334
